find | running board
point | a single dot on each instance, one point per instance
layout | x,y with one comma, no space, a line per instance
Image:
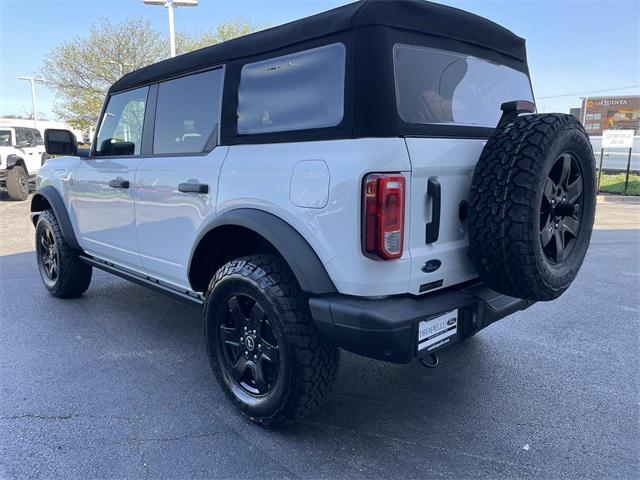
144,280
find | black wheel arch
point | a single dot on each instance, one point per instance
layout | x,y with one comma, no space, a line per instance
269,233
48,198
14,160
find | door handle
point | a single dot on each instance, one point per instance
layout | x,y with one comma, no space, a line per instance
189,187
119,183
432,231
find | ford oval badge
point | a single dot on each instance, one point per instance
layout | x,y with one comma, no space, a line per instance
431,266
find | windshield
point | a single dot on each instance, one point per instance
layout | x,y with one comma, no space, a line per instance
439,87
5,138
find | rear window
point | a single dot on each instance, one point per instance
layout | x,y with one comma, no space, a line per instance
439,87
187,113
294,92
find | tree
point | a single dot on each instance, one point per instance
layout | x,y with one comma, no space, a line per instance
81,70
233,28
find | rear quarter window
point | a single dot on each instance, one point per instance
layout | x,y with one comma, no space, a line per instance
439,87
299,91
187,113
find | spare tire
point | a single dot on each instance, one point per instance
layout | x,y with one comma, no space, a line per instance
531,206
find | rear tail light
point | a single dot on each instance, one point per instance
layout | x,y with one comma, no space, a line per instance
383,222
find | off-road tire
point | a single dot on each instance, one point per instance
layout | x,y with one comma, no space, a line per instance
17,182
74,276
309,362
506,210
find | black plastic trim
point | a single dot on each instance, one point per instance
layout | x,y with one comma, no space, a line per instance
434,191
60,211
13,160
145,281
300,256
386,329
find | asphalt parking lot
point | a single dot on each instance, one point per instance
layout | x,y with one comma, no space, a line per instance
117,385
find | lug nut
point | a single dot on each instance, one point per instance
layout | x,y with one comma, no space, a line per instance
556,225
259,346
255,357
245,329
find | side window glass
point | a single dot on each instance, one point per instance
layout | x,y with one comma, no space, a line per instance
37,137
187,113
293,92
5,138
120,130
22,139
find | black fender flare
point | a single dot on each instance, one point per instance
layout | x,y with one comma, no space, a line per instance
13,160
290,244
49,196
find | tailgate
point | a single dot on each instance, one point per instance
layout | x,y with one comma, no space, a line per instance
449,164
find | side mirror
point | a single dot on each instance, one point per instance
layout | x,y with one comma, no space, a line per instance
62,142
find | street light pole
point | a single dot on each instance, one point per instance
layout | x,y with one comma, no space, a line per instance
120,65
172,32
170,5
33,81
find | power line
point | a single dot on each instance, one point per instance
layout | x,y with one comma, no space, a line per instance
584,93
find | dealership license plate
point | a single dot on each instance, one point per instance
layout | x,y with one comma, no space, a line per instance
438,332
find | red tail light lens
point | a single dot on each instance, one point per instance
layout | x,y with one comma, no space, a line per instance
383,222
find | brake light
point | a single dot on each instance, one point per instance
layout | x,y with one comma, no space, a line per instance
383,222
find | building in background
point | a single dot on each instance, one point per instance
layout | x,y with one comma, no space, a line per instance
609,113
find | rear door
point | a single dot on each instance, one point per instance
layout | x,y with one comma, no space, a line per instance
456,91
176,185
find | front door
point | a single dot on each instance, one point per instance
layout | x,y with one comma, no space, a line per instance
102,191
176,187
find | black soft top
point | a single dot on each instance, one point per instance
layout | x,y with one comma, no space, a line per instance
410,15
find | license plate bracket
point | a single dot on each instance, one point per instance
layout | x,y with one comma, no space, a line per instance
438,332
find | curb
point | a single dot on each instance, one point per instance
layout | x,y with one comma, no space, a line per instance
631,199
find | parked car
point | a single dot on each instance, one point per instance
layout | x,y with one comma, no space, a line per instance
371,178
22,153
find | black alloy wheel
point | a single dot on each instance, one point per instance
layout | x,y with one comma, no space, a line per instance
561,212
249,345
48,261
263,345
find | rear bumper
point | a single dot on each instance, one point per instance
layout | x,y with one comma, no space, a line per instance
387,329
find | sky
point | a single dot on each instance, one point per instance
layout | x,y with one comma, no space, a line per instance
576,48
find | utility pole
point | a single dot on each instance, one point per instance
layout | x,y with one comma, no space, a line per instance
170,5
33,81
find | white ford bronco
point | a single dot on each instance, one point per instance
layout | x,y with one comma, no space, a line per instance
21,155
372,178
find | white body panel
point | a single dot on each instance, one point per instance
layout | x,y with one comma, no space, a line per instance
105,216
260,176
168,221
316,187
451,163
